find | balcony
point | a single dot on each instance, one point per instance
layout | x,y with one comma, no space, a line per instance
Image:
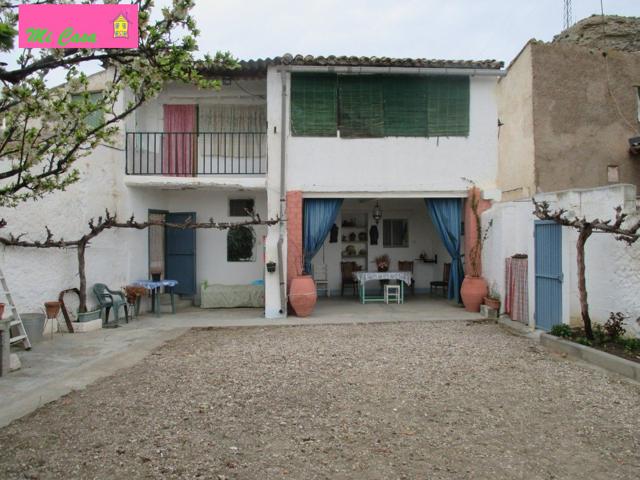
196,154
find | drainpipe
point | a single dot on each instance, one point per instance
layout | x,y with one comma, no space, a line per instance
283,192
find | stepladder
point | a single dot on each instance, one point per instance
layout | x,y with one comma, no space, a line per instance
16,327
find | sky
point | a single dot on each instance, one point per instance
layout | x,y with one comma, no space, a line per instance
435,29
444,29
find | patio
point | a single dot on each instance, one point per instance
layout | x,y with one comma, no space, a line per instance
441,399
66,362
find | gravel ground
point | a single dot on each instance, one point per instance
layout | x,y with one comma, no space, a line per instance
432,400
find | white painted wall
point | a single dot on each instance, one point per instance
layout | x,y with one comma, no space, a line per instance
211,245
401,164
612,267
38,276
422,237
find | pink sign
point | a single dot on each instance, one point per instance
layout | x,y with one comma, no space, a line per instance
78,26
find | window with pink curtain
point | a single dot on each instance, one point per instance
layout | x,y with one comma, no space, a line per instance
180,140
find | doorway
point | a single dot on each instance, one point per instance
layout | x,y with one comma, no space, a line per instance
172,251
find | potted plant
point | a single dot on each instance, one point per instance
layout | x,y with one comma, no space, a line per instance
383,262
474,287
493,299
302,291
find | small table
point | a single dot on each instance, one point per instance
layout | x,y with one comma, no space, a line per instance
364,277
154,287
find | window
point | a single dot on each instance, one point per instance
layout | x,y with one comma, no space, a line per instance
361,106
379,105
95,118
240,244
241,207
314,105
395,233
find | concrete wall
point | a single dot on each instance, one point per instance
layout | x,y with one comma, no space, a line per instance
401,164
422,237
516,177
585,108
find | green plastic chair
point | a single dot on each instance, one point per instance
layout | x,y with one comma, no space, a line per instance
111,299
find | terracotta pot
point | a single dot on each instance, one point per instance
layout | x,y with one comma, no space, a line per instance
303,295
492,303
473,290
1,310
52,308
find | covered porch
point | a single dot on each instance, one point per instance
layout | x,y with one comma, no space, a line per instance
418,241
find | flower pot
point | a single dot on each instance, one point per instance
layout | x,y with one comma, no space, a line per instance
492,303
52,309
473,290
303,295
1,310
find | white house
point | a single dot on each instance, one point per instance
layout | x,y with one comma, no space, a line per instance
279,137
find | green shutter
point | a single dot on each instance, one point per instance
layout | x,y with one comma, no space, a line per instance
448,106
93,119
361,106
314,105
405,106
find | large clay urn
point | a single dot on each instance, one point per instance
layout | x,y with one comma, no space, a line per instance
473,291
303,295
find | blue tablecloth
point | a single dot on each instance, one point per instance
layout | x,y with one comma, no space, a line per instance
153,285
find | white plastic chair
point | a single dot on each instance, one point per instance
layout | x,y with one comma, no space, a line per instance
321,277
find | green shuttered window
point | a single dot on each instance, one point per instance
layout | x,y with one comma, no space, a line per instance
448,106
314,105
405,106
363,106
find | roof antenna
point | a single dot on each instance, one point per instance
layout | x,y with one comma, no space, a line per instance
567,16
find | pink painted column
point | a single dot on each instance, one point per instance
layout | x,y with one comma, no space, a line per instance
470,234
294,234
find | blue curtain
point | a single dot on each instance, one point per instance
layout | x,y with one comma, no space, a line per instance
319,215
446,214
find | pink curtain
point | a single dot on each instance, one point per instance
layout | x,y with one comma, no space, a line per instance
516,303
180,141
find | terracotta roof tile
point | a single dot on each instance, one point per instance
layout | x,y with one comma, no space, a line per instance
259,66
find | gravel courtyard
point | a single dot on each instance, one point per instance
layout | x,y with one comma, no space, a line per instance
450,400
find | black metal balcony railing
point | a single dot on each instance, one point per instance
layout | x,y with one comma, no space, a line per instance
191,154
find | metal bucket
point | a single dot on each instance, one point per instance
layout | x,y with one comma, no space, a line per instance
34,325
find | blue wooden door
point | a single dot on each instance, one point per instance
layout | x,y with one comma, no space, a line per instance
549,278
180,254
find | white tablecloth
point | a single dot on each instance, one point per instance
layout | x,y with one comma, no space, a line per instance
366,276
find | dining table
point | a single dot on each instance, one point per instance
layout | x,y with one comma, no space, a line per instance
363,277
154,287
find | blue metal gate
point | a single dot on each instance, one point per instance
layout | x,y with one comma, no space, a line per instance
180,253
549,278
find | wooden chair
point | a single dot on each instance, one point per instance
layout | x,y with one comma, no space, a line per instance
444,284
407,266
321,277
347,269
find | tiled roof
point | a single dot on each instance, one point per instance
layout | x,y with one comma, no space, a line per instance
259,66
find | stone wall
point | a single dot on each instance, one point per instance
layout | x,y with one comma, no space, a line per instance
608,32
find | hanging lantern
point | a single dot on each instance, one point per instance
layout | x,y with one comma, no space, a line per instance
377,213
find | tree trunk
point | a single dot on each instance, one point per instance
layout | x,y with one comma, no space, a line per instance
82,308
584,234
